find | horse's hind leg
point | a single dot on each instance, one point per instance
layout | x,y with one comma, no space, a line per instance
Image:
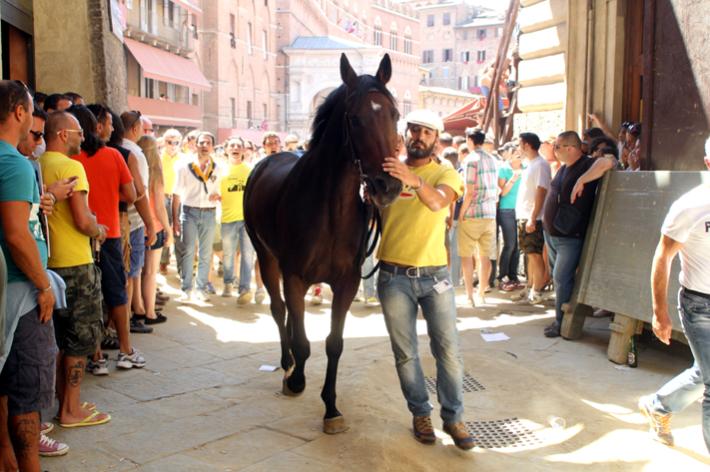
271,275
343,295
295,291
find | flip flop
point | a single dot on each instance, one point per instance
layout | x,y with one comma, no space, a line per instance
85,405
93,419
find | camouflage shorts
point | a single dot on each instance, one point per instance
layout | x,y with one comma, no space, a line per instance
530,243
78,328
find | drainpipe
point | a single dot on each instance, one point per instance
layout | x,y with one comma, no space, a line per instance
588,86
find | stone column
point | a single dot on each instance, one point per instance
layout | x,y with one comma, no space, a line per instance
75,50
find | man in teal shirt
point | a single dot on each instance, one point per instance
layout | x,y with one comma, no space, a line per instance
25,387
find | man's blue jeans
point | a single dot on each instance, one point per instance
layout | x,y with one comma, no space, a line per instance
564,254
509,255
688,386
198,225
452,234
400,296
235,235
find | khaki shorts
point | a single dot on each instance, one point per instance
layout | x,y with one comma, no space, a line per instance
477,235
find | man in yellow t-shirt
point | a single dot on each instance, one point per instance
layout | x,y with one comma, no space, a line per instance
169,157
413,273
78,327
234,233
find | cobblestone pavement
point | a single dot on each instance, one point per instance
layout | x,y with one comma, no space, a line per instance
202,404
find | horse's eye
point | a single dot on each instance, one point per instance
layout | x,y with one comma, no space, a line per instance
395,114
355,120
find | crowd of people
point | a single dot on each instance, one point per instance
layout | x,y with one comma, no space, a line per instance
108,203
104,204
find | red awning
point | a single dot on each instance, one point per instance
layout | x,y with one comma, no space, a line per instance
162,65
466,116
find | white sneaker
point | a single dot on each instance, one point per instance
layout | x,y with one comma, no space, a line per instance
521,296
259,296
535,298
200,296
184,297
97,368
134,360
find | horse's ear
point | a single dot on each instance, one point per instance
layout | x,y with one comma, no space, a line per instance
346,72
384,72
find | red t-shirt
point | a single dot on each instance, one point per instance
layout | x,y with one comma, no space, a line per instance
106,171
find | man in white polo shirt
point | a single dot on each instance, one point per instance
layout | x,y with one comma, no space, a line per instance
686,229
197,189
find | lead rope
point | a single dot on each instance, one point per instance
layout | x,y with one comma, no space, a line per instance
373,220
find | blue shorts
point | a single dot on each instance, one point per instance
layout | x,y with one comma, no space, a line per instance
159,240
113,277
137,252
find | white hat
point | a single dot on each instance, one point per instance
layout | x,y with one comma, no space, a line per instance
426,118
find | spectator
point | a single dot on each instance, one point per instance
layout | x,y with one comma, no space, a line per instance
509,174
170,158
75,98
291,143
197,190
413,273
633,145
111,180
147,126
164,233
78,327
685,231
140,220
477,221
534,185
271,143
189,143
56,102
234,234
603,145
24,390
567,210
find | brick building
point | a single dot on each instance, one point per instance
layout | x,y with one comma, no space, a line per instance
163,74
231,67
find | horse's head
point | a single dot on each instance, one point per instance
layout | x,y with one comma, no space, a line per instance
372,128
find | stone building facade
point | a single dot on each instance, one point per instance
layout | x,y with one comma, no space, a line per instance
459,41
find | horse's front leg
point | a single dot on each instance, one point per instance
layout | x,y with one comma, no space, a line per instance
294,293
343,294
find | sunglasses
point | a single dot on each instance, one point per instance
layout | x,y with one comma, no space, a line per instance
560,146
172,143
38,135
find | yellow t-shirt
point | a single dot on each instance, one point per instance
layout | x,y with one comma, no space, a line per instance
68,247
168,163
412,234
231,188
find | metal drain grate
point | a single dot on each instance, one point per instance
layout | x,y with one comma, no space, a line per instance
499,434
469,384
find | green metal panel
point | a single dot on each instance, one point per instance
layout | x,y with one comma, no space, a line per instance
616,260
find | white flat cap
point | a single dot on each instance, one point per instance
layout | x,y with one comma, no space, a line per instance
426,118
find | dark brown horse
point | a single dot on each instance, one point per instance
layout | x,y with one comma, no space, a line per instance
307,220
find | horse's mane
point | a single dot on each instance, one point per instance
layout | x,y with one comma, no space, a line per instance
333,108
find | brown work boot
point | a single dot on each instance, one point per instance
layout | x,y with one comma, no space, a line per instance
461,437
423,429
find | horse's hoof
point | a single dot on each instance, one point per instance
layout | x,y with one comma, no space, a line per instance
334,425
287,391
